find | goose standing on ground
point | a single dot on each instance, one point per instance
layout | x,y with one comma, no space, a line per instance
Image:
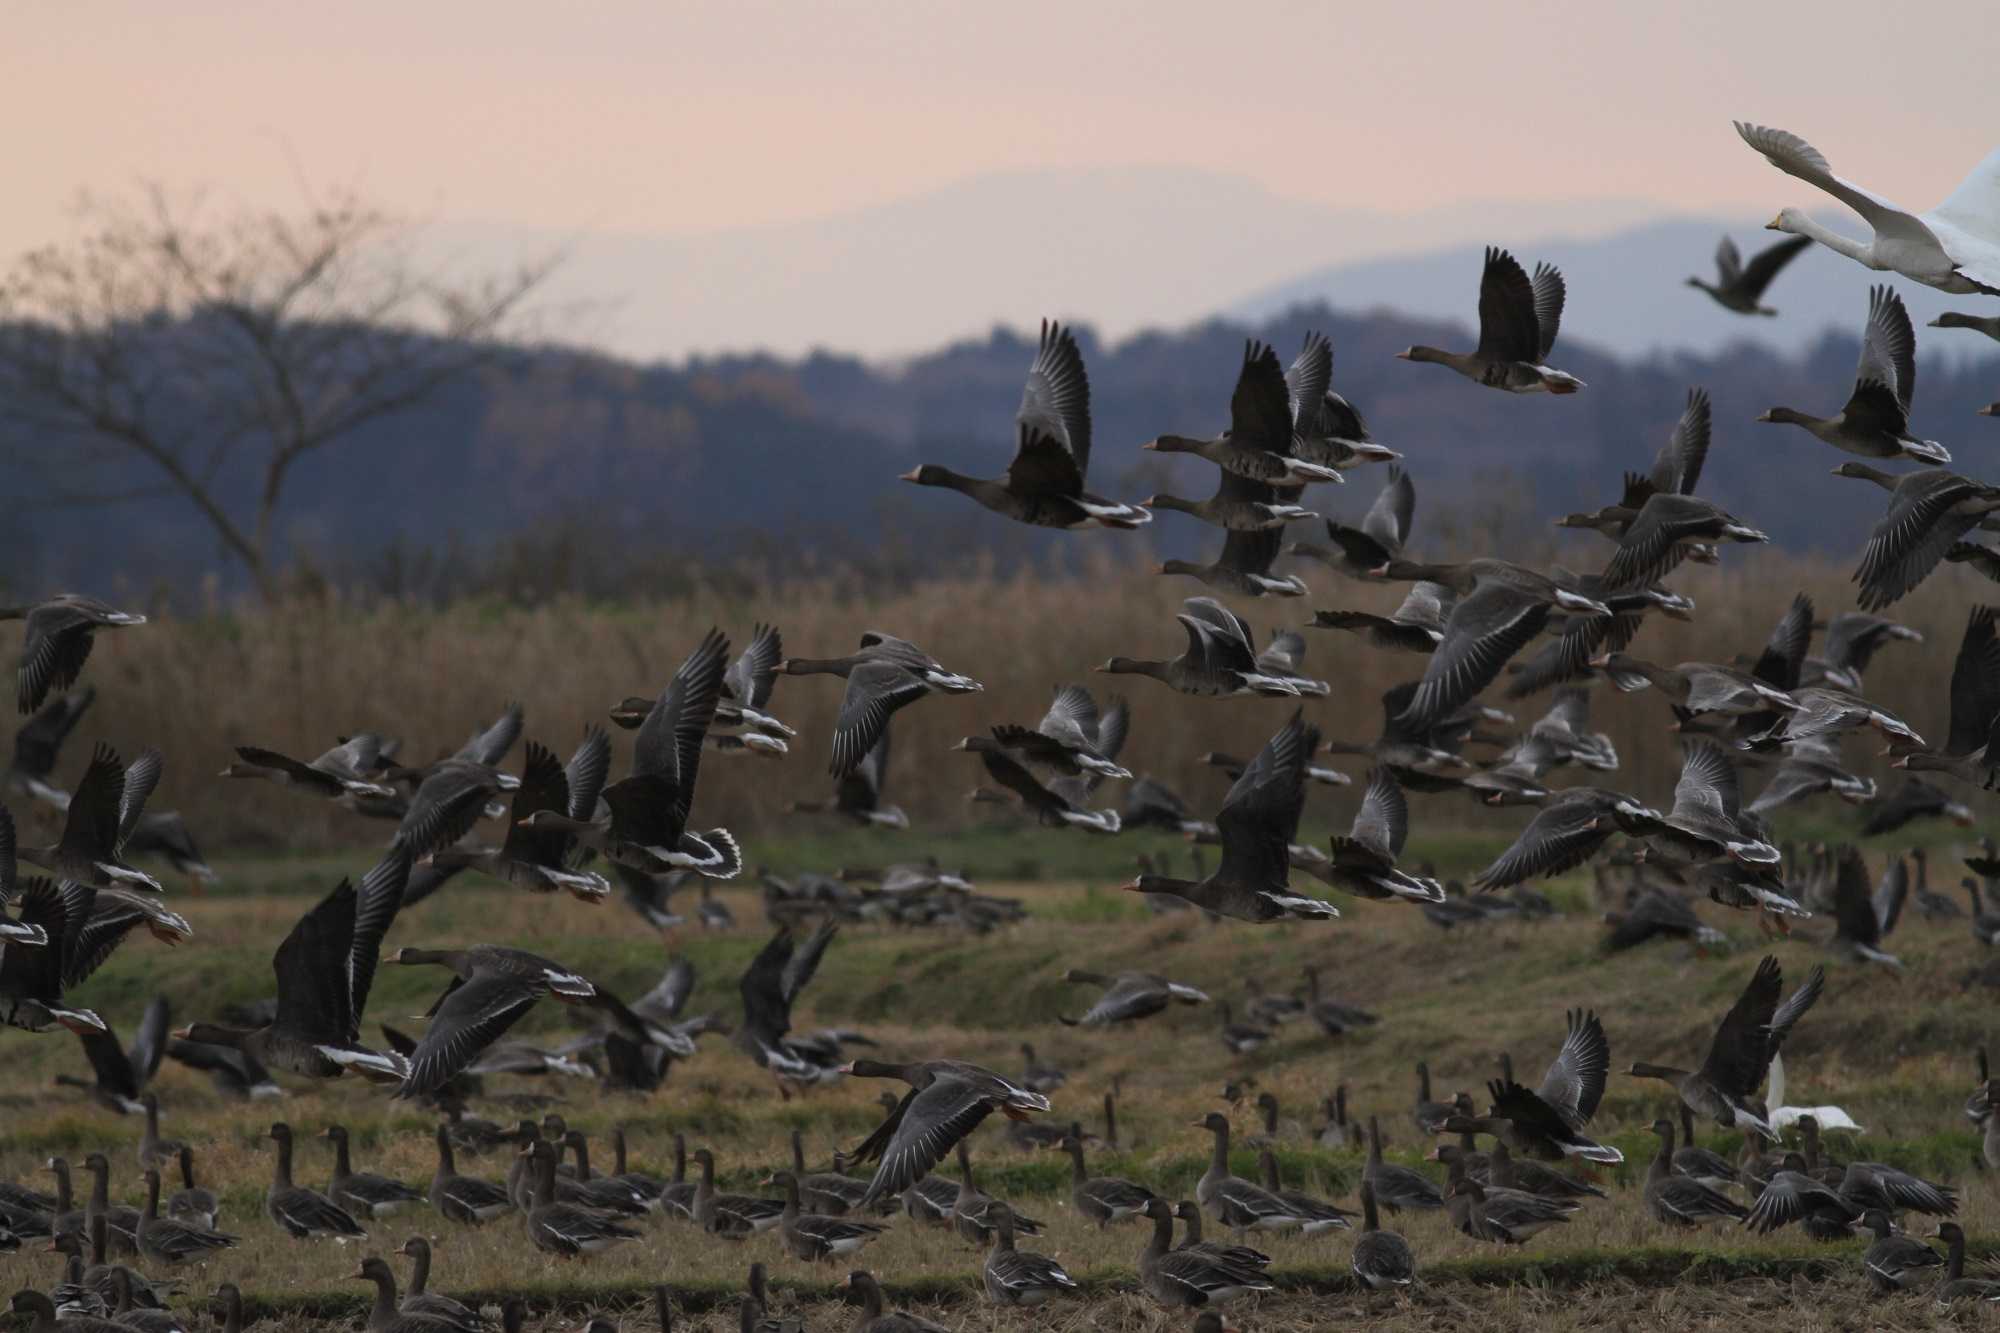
460,1198
191,1202
119,1077
646,826
564,1229
1038,1077
1189,1278
324,969
884,675
871,1319
1739,286
1018,1277
947,1100
1876,421
102,813
1128,996
1236,1202
1682,1200
1955,247
1220,661
538,859
1044,483
1364,861
1955,1287
58,640
154,1151
1737,1059
168,1240
303,1213
817,1237
421,1300
345,770
1319,1215
1258,821
1257,445
1518,318
364,1193
1548,1122
1929,510
1101,1199
1896,1262
1381,1258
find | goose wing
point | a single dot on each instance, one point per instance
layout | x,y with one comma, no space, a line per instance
1913,535
1784,656
1383,821
1260,815
308,775
862,788
151,1042
41,736
586,771
376,903
109,1063
472,1018
1795,157
1549,293
544,786
1130,995
1484,630
1055,410
927,1125
669,740
1728,262
767,1011
799,968
1003,769
1260,414
1767,263
751,676
314,1001
1508,330
1389,519
1741,1051
90,827
1795,1006
490,746
1677,467
874,691
1574,1083
1072,718
1853,904
53,651
1708,784
1564,834
1307,379
1888,360
447,804
1975,684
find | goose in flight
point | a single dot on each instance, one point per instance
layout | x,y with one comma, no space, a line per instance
1257,446
1548,1122
1220,661
1740,1055
1044,483
1739,286
1364,861
102,813
1929,510
884,674
947,1100
1518,318
1955,247
58,640
1875,423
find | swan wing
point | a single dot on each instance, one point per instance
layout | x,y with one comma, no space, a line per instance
1795,157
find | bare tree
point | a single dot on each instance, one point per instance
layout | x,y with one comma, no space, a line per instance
215,357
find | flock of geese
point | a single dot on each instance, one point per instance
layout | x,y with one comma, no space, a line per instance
569,828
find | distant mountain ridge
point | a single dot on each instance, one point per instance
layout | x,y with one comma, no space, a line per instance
796,460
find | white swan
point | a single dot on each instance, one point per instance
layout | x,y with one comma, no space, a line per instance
1955,247
1784,1117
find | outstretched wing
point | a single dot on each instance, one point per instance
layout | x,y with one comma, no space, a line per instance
927,1127
1055,404
1574,1083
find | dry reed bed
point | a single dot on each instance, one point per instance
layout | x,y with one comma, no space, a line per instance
298,675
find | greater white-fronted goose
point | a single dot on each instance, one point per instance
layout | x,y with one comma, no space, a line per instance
1236,1202
1220,660
768,988
154,1151
1707,821
302,1213
1244,565
41,1312
833,1193
347,769
1929,509
119,1077
858,794
492,988
386,1314
460,1198
1661,535
37,745
1240,1038
1051,806
1358,552
645,823
1953,319
1955,247
170,1241
1792,1194
1257,446
364,1193
1018,1277
1875,423
59,635
452,795
1044,483
1284,657
1852,638
421,1300
105,807
947,1100
1739,286
1245,1256
1101,1199
1508,1217
1955,1287
1238,508
324,969
755,1310
1739,1056
1320,1215
1129,996
1381,1258
1364,861
1189,1279
971,1209
1691,1159
1679,1199
1428,1113
746,691
1974,704
1571,828
192,1203
1696,687
1518,319
1810,768
1873,1185
1895,1262
1039,1077
121,1223
1506,1171
1859,926
1257,822
1985,924
1415,626
885,675
1066,739
1548,1122
543,860
1337,435
818,1237
1676,470
1915,799
872,1320
560,1228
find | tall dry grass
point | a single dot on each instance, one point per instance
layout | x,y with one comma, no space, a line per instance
298,675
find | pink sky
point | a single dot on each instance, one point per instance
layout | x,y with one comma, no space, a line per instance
683,117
